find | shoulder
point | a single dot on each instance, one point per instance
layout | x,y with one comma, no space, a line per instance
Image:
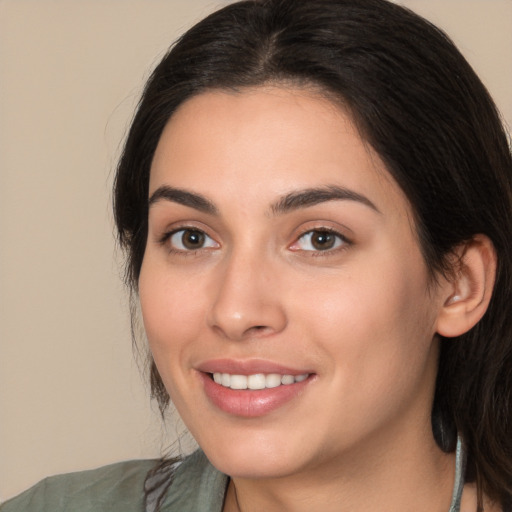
117,487
196,486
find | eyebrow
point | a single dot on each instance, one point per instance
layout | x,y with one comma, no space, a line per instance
180,196
313,196
289,202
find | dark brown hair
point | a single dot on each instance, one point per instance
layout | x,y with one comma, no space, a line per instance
419,104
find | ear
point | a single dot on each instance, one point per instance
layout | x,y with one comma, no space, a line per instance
467,296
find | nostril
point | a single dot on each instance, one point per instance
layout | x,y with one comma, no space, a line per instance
258,330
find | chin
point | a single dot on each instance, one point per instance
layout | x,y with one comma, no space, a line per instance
254,467
257,457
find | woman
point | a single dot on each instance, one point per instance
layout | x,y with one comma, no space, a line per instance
315,200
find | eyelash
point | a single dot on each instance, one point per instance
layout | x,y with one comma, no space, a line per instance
166,240
341,242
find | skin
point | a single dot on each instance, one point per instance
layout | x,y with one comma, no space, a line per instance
361,317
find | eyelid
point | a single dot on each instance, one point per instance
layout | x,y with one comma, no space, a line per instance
342,243
166,237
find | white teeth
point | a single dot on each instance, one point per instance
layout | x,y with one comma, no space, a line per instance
238,382
257,380
287,379
272,380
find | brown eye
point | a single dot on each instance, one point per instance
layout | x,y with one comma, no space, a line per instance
190,240
323,240
319,240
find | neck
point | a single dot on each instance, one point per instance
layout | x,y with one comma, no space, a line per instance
416,476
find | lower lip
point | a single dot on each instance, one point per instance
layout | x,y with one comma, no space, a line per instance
251,403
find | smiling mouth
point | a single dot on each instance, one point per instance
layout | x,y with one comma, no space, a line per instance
251,395
256,381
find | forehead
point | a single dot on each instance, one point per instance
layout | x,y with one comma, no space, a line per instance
268,141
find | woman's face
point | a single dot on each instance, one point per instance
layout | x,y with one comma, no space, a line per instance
282,259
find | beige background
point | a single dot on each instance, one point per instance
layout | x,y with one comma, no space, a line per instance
70,74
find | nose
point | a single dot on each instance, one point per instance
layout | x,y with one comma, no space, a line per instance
246,301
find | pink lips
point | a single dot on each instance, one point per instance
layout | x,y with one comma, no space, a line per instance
250,403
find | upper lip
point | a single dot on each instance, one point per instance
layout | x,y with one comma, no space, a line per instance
247,367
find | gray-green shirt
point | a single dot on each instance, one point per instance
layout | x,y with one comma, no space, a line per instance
197,487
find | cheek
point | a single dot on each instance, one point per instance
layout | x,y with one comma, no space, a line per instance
375,324
170,310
